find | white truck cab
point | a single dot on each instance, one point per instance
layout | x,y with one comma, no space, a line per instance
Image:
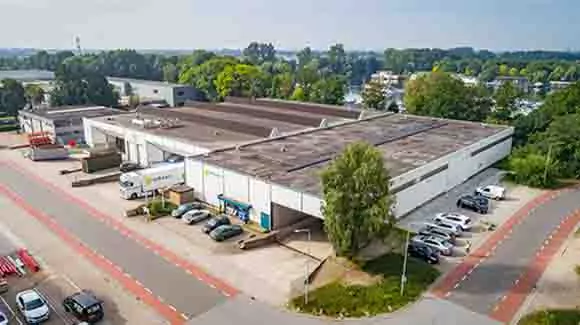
144,182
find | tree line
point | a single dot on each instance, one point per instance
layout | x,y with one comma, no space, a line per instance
546,141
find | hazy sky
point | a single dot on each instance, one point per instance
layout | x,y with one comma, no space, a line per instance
360,24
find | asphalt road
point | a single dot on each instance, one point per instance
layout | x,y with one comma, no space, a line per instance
484,288
167,281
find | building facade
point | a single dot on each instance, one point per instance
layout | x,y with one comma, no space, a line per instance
174,95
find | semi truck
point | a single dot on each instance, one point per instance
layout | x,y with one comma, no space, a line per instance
145,182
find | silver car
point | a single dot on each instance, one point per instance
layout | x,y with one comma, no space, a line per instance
444,247
437,232
445,226
194,216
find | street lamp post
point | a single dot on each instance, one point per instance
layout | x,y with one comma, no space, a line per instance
404,272
307,268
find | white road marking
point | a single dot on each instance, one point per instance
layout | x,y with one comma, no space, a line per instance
456,285
11,310
71,282
138,283
211,285
51,304
160,299
517,281
128,275
173,308
448,294
225,294
188,271
464,277
149,291
184,316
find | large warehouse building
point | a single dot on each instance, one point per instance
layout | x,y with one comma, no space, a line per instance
263,158
277,180
150,135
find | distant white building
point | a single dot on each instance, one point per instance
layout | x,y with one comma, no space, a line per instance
174,95
467,80
389,79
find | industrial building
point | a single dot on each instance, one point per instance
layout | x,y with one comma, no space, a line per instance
150,135
278,179
63,124
263,157
171,94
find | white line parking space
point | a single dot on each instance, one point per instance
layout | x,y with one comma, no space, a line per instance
9,312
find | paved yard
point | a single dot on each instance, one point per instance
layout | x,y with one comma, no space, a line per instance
267,273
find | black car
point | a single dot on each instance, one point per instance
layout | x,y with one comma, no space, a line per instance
424,253
474,202
84,306
215,222
174,159
128,166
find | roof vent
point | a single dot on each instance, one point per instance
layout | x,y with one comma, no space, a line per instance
216,132
283,149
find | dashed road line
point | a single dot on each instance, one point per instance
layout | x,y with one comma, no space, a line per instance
184,316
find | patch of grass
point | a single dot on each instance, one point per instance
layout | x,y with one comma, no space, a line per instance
9,127
577,269
338,299
552,317
157,209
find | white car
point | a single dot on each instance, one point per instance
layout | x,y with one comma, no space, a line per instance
3,319
444,247
463,222
32,306
446,226
493,192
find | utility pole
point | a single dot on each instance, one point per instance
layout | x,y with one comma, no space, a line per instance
404,273
307,269
547,163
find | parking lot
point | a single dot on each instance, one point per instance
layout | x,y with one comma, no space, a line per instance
499,211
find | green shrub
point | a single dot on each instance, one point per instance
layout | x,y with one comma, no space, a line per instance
552,317
157,209
577,269
337,299
9,127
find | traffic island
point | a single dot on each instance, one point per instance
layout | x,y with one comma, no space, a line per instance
369,289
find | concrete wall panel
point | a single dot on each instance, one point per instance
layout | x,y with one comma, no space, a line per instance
236,186
312,205
194,177
286,197
213,182
260,198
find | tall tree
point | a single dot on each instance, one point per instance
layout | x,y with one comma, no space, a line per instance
170,72
240,80
204,76
329,90
12,97
373,95
505,98
34,94
357,198
439,94
77,84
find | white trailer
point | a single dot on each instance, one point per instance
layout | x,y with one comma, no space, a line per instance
146,181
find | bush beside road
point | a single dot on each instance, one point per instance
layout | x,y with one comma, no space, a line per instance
382,295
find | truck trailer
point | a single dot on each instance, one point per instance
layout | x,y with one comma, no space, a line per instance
145,182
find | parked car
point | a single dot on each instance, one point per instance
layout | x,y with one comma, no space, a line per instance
174,159
215,222
423,252
493,192
474,202
224,232
440,245
194,216
183,208
463,222
445,226
3,319
128,166
84,306
437,232
32,306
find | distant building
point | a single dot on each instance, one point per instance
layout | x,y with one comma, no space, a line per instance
557,85
389,79
467,80
521,83
155,91
63,123
27,75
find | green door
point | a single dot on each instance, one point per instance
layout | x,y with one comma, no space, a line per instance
265,221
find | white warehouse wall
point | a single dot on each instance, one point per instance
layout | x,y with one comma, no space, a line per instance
143,147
